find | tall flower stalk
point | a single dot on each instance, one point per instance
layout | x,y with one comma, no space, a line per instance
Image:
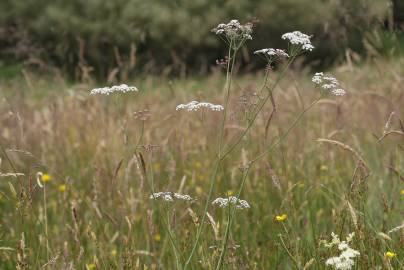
235,35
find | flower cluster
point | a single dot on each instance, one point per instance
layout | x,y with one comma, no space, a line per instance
195,106
271,52
328,82
281,218
234,30
170,196
298,38
224,202
345,260
116,88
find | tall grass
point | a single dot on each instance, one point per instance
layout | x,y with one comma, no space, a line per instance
307,164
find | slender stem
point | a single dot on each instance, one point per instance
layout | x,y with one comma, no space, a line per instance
222,254
151,188
230,221
283,137
232,147
46,221
260,107
199,231
229,74
290,254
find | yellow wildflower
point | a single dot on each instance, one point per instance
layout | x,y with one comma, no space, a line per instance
281,218
62,188
46,178
229,193
156,166
198,165
402,192
324,168
90,266
113,252
390,254
199,190
157,237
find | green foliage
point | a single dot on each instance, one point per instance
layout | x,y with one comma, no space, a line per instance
172,33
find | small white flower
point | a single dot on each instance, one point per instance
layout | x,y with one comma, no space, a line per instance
195,106
183,197
328,82
169,196
224,202
272,52
116,88
234,30
338,92
345,260
298,38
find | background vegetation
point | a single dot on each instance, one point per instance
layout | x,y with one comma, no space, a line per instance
115,38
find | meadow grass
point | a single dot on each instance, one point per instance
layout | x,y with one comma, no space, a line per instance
339,169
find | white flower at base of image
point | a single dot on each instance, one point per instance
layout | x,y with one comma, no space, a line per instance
298,38
224,202
195,106
328,82
272,52
116,88
170,196
345,260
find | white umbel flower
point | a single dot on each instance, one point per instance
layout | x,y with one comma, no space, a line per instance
224,202
298,38
328,82
170,196
234,30
195,106
272,52
345,261
116,88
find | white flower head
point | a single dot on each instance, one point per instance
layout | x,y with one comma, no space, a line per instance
195,106
329,83
224,202
345,260
298,38
116,88
271,52
170,196
234,30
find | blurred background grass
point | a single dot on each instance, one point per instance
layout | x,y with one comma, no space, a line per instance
113,40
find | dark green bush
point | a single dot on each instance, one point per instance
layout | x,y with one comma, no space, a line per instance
97,36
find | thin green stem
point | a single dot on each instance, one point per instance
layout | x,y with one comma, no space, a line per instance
230,221
260,107
229,74
283,137
280,140
46,221
288,252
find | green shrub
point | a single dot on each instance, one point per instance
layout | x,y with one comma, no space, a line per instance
76,34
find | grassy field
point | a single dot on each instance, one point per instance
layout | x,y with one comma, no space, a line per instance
336,165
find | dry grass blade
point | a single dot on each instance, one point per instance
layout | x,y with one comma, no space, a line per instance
308,264
353,215
274,177
215,226
346,147
117,170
